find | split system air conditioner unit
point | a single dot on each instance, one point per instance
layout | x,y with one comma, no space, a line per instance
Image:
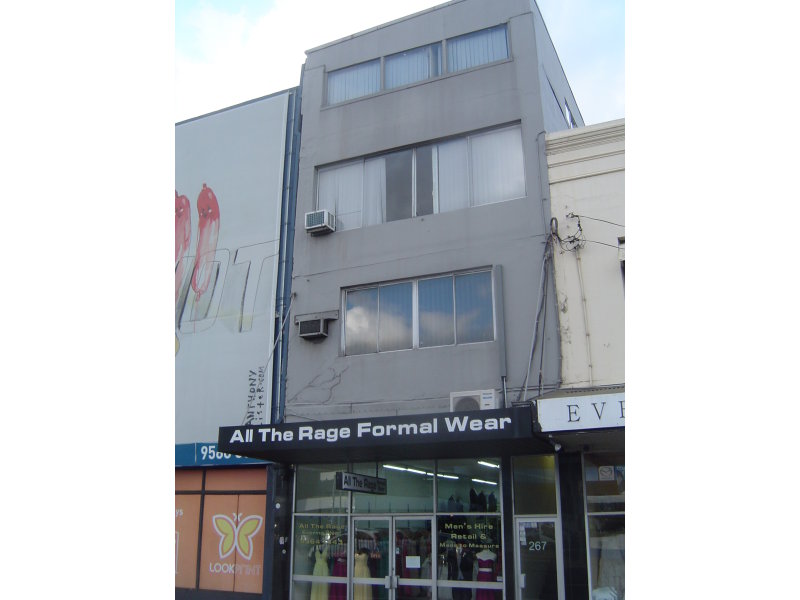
320,222
474,400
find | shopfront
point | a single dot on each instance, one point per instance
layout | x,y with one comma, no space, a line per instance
450,506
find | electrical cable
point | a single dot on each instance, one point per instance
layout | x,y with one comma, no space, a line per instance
542,279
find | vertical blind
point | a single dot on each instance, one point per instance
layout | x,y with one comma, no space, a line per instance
469,171
418,64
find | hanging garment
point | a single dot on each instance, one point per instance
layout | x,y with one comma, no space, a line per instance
319,589
338,591
361,591
485,573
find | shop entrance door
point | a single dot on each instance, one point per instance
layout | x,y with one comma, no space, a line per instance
538,559
392,558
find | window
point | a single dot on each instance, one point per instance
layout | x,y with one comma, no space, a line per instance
418,64
411,66
436,311
605,506
353,82
477,48
472,170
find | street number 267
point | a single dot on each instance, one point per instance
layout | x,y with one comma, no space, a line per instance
536,546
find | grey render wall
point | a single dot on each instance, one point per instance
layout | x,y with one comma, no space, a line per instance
322,383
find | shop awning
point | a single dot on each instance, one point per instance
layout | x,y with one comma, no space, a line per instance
440,435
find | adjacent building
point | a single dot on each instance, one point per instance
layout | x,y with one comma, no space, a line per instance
435,283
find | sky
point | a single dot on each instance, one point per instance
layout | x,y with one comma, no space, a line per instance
231,51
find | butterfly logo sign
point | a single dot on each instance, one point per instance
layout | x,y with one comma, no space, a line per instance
237,536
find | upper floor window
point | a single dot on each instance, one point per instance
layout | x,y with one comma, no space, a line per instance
411,66
458,173
353,82
477,48
418,64
435,311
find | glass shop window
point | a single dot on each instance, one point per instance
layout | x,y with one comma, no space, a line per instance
409,487
469,485
534,484
320,557
316,491
470,549
605,505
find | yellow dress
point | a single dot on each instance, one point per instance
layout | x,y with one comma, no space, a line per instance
361,591
319,589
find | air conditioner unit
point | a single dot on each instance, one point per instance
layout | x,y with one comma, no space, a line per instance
313,328
474,400
319,222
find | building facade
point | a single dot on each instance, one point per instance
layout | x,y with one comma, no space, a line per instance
419,337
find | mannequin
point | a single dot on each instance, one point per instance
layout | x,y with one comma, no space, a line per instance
459,567
319,589
486,561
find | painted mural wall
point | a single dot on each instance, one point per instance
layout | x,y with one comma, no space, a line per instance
228,186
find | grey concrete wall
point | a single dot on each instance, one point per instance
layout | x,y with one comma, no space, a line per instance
321,382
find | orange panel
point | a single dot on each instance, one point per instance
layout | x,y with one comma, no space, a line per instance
217,555
187,528
250,572
236,479
188,481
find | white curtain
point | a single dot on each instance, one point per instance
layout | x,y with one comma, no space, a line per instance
354,82
497,167
374,191
478,48
453,175
407,67
341,192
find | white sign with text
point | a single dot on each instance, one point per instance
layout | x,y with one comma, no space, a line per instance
574,413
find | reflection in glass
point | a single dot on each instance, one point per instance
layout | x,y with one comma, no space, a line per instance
607,556
395,317
316,489
409,486
474,308
469,485
436,312
605,482
537,558
361,321
318,543
534,484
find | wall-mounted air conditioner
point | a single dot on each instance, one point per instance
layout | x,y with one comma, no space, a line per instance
319,222
474,400
315,326
312,329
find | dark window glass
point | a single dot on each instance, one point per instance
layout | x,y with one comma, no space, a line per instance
425,180
398,185
534,485
605,482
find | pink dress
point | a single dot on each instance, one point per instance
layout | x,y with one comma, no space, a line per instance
485,575
338,591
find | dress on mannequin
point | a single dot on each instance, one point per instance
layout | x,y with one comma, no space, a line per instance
486,560
319,589
361,591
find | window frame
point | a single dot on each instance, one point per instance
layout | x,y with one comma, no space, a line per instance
415,343
444,71
434,145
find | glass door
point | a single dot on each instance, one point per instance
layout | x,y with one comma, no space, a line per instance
414,561
538,559
371,571
393,558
